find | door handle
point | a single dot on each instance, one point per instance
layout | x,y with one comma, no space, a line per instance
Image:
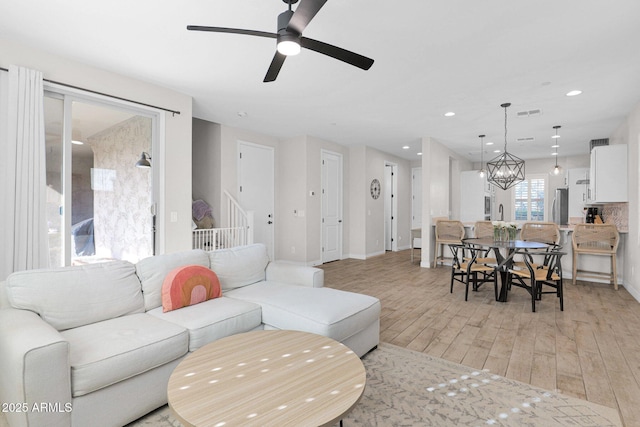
339,220
269,222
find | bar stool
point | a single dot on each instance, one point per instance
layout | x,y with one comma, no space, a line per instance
447,232
595,239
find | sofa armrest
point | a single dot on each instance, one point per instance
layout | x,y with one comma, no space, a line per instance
295,274
4,298
34,370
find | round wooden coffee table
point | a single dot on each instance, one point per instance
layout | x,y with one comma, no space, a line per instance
267,378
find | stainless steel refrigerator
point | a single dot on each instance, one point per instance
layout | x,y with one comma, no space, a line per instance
560,206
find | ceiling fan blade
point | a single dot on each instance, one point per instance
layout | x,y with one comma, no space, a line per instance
274,68
337,52
304,13
232,31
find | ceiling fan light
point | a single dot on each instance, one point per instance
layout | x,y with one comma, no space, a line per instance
288,47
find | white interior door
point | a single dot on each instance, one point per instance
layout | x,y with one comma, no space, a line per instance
331,176
390,208
256,190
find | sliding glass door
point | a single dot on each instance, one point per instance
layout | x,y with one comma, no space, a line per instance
99,202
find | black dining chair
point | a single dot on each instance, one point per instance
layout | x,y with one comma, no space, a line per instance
465,268
535,277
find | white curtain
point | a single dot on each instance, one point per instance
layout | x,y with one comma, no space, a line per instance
24,221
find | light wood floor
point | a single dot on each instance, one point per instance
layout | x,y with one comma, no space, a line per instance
591,350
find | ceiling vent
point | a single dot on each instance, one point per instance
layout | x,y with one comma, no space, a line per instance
526,139
598,143
529,113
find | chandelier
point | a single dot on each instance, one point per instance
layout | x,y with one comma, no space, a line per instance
506,170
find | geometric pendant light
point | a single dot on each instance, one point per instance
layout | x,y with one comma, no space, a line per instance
506,170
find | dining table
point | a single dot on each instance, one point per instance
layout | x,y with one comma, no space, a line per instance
504,251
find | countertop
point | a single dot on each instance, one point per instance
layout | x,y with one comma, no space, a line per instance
569,229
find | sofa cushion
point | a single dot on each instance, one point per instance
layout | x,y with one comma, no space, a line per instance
153,270
213,319
69,297
239,266
189,285
107,352
330,312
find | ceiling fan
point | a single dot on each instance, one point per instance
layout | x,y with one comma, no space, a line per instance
290,40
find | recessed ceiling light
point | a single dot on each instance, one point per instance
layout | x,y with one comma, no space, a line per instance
555,146
450,114
419,154
406,147
554,154
496,151
77,142
489,143
574,93
555,136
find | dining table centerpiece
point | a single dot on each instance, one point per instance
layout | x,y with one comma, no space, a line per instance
504,231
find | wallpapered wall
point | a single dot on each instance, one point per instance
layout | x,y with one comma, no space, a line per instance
122,192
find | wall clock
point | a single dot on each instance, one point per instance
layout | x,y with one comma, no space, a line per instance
375,188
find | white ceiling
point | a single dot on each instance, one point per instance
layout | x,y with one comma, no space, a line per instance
431,57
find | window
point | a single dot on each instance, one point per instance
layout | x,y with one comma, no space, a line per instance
529,197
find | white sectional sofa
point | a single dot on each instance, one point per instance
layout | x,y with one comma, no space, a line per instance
91,345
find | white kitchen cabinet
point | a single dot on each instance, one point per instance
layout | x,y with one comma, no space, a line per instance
578,183
475,193
608,174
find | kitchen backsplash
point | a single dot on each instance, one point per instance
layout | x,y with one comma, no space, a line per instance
617,213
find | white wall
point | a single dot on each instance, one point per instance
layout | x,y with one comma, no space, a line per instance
359,191
439,192
206,173
175,159
367,214
629,133
298,172
292,236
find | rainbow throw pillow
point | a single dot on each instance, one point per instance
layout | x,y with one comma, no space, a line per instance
189,285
